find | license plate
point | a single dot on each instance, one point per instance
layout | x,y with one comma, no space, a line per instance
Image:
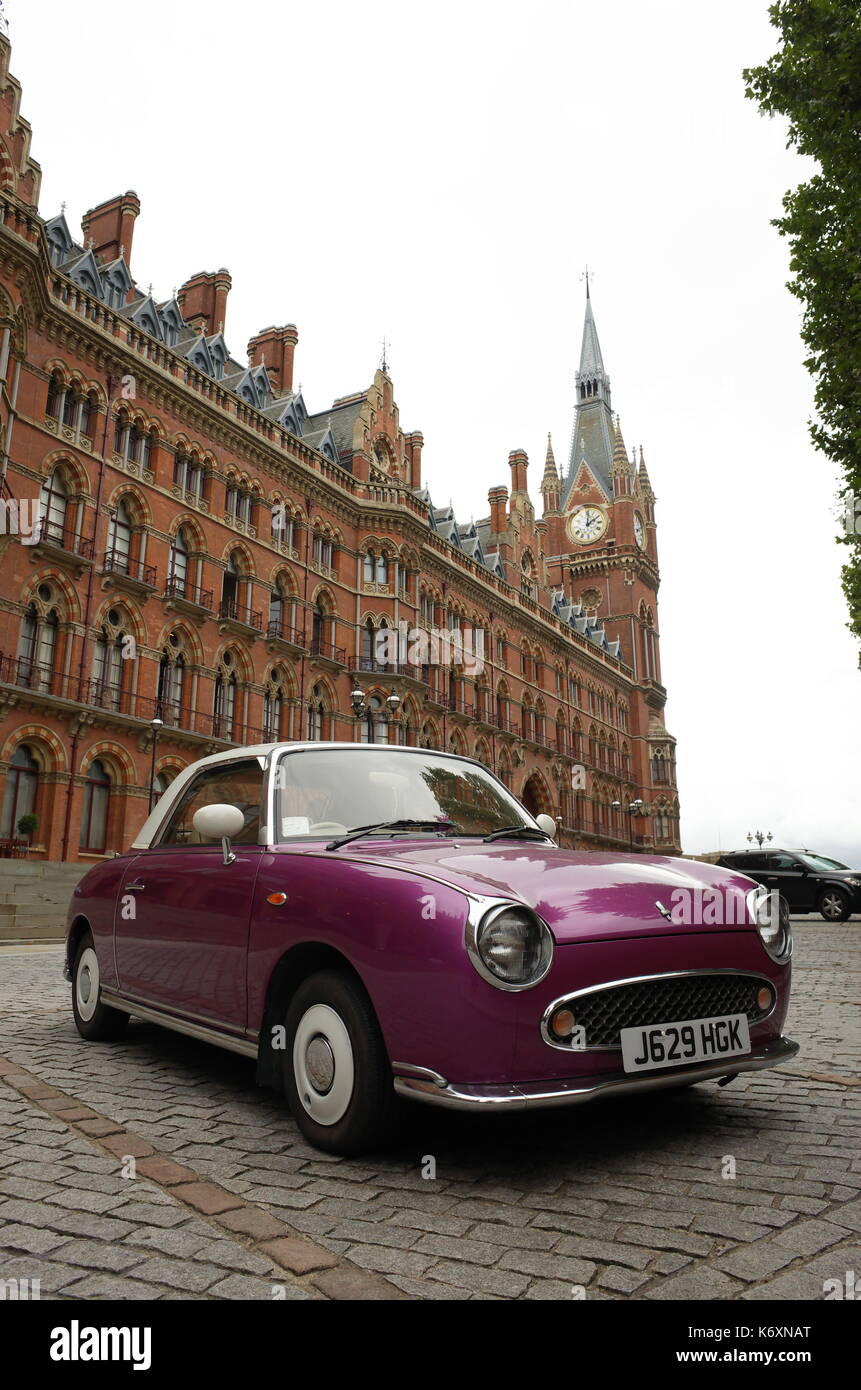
675,1044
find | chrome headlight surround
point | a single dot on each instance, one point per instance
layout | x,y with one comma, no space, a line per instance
770,916
485,928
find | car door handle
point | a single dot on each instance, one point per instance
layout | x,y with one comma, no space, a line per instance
135,887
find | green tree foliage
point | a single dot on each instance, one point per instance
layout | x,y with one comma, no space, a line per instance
814,80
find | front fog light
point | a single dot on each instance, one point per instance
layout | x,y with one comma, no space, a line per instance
563,1023
511,947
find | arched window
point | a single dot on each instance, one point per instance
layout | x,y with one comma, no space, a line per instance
56,396
224,709
230,589
368,567
171,682
274,702
368,636
316,714
177,578
381,573
282,611
94,821
119,539
319,630
160,784
111,673
37,644
53,506
374,726
22,784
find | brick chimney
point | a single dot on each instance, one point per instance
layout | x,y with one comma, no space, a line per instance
273,348
203,300
498,497
518,463
414,444
111,226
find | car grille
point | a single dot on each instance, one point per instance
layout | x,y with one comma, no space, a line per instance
670,999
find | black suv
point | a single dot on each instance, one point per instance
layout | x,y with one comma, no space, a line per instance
808,882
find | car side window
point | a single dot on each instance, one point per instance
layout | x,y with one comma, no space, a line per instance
234,784
783,861
753,861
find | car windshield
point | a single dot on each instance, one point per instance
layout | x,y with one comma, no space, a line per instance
333,791
819,863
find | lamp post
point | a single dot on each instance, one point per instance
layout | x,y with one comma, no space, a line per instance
759,837
633,808
156,725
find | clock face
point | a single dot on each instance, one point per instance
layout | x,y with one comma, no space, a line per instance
639,531
587,524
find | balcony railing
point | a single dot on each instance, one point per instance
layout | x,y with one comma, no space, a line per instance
328,651
189,593
58,534
99,694
119,562
457,705
229,609
286,632
388,668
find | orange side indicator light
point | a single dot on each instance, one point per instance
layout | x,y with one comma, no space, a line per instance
276,899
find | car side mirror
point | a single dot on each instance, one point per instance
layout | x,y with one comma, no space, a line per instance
219,822
548,825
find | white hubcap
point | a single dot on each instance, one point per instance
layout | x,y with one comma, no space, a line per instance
323,1064
87,984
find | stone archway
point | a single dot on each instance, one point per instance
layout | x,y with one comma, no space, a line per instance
536,797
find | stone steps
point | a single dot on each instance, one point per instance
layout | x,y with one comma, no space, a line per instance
34,899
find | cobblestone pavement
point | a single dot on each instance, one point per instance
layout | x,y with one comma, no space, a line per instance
630,1198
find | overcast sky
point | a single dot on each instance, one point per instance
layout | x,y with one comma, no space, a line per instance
439,174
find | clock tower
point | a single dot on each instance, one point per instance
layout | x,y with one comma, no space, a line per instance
601,543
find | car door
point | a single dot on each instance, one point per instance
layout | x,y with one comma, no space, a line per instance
182,919
788,875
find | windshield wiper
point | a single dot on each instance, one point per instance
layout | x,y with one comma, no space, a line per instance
517,830
359,830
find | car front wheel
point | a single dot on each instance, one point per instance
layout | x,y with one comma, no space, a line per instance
93,1019
336,1071
834,905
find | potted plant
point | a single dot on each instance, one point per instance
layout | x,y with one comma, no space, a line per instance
28,825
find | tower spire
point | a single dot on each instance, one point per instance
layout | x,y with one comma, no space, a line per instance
592,439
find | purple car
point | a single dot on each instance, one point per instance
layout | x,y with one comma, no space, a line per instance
375,922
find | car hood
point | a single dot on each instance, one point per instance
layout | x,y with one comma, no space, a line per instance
581,895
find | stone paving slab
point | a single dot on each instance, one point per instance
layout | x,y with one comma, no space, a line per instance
746,1192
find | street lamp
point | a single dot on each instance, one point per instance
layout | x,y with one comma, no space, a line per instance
393,700
156,725
357,700
633,808
759,837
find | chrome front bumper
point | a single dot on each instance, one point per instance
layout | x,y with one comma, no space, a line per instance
529,1095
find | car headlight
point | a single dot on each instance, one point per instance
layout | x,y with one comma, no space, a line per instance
510,946
769,913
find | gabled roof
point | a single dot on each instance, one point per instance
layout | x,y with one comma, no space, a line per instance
144,312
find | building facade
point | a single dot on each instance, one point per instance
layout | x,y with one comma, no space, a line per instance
190,559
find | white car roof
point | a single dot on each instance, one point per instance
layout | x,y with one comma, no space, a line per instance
153,822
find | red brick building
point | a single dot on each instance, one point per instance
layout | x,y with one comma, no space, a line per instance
184,541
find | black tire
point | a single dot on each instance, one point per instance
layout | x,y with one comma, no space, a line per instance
834,904
93,1019
333,1035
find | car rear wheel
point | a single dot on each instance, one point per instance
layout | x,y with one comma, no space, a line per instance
337,1074
93,1019
834,905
